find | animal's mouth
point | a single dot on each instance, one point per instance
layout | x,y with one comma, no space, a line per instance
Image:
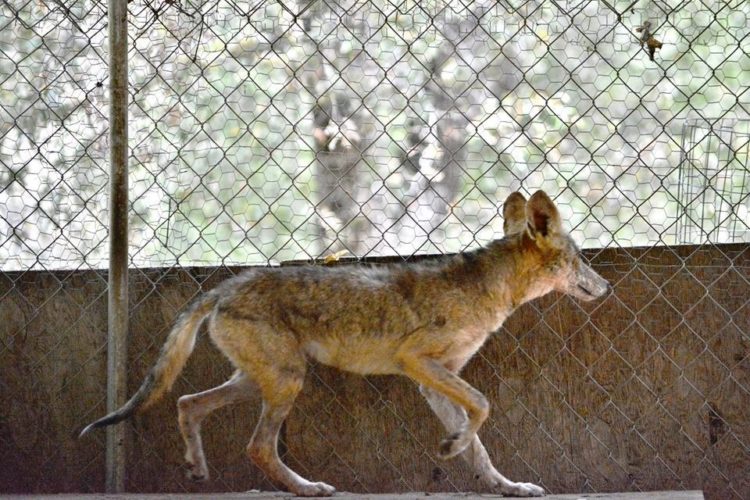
586,294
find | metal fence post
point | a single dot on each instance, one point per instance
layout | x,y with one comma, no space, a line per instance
118,240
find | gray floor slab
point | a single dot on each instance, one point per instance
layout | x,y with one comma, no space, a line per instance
258,495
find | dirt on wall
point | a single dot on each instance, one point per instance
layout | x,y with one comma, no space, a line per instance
648,389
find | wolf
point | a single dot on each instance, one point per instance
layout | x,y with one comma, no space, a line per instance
422,320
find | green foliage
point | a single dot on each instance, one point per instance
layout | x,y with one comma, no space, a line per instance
223,166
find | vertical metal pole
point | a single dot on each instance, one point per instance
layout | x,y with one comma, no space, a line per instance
118,240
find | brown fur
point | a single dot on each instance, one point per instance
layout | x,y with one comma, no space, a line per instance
424,321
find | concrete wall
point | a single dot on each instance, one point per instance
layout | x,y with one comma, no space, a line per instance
648,389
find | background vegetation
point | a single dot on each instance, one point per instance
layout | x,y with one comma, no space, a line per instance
269,131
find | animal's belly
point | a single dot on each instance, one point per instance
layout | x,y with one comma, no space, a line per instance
365,358
376,354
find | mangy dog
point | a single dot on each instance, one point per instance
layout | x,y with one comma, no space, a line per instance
421,320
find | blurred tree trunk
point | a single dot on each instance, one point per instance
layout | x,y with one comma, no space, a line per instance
435,151
356,209
337,150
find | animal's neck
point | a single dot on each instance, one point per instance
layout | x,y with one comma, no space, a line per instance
506,271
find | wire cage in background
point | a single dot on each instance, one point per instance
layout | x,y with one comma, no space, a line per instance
276,131
262,132
712,182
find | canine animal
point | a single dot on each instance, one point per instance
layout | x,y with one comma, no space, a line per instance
421,320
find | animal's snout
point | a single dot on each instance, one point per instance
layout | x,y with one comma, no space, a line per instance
605,288
594,285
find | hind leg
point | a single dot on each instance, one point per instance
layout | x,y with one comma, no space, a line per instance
275,362
193,408
262,450
280,385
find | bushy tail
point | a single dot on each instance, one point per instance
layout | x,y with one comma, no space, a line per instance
174,355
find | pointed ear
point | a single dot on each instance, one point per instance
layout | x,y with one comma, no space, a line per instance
542,216
514,214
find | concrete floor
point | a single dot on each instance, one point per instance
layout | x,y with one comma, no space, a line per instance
257,495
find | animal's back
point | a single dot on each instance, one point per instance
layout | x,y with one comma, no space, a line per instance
357,317
346,316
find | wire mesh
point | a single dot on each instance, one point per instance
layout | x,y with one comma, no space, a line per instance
262,132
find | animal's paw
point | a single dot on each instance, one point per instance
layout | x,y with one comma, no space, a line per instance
523,490
499,483
196,472
453,445
308,489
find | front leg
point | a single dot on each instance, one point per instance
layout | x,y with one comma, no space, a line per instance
454,417
429,373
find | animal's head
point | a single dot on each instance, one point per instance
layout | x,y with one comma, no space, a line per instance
554,259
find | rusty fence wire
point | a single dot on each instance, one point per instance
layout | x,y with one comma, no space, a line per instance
262,132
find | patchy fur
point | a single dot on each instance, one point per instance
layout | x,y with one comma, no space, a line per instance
424,321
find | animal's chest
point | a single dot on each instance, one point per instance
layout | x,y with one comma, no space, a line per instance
465,344
468,340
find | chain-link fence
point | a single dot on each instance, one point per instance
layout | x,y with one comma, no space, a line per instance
273,131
